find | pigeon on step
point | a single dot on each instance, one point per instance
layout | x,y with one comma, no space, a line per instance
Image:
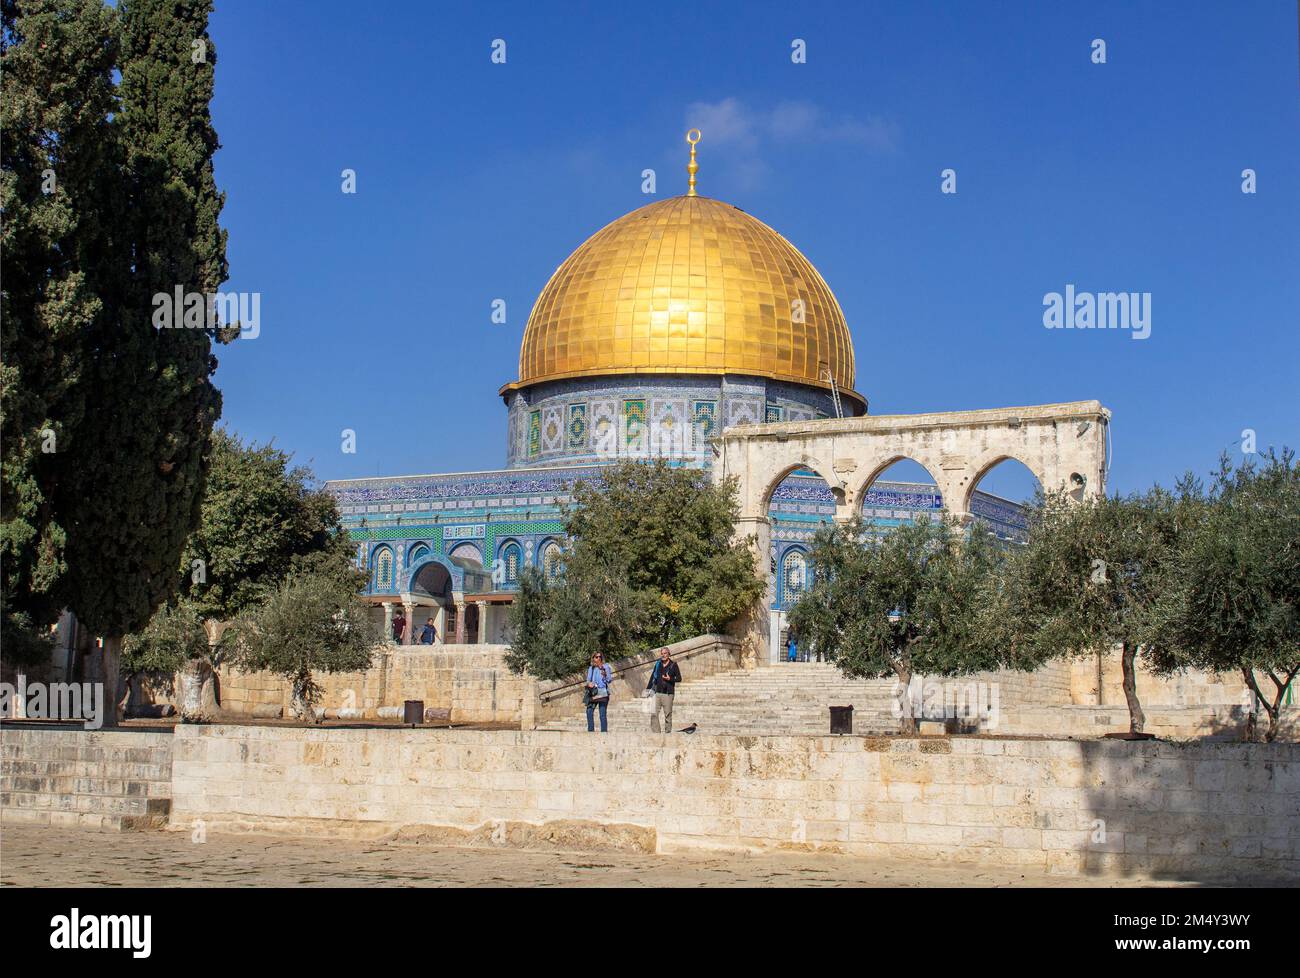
691,729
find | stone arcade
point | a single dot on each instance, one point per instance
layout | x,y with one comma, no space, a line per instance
1063,445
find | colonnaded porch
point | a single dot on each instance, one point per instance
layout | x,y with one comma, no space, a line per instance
459,618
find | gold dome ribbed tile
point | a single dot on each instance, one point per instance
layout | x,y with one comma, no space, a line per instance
687,285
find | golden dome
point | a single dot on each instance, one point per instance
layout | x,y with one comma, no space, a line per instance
687,285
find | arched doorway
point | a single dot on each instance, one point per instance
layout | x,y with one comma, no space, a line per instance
431,586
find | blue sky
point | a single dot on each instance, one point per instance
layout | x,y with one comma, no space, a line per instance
475,180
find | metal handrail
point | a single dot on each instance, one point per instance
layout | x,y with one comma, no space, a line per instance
632,663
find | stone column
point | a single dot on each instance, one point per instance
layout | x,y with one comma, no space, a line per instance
460,622
388,623
758,624
528,708
440,623
954,490
409,638
482,621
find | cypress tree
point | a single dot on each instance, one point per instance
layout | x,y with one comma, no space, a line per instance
132,493
56,58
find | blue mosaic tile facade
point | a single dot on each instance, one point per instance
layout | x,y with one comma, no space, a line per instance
474,516
803,503
636,417
485,527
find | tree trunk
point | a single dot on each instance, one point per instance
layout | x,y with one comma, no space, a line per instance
1272,707
1136,718
195,675
302,705
1252,723
111,660
211,700
209,695
907,723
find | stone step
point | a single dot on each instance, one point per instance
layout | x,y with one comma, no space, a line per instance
118,780
97,811
790,698
712,721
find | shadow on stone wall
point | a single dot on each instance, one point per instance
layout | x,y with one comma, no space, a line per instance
1167,811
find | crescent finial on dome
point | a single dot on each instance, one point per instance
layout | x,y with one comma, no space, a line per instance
692,167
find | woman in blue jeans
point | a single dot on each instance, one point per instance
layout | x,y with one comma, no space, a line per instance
599,676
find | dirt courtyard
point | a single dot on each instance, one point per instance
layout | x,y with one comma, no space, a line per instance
40,856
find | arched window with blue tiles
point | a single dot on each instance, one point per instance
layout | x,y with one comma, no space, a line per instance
418,553
382,562
794,576
551,555
511,560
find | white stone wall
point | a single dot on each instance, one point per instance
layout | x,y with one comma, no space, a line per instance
469,682
1198,811
108,779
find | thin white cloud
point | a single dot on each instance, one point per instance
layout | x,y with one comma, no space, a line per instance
727,122
749,136
731,122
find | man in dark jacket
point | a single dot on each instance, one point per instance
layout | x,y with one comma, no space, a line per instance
663,683
429,634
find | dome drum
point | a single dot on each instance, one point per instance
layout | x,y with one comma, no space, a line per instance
586,420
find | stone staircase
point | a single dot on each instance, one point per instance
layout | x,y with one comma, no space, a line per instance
116,779
777,700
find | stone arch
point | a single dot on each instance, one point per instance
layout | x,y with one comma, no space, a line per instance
827,474
882,466
986,463
432,578
1000,496
1065,442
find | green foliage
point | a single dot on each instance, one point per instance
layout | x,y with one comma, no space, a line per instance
307,625
1230,598
173,636
22,642
261,521
56,58
651,560
557,626
109,199
1089,578
1091,570
917,599
130,489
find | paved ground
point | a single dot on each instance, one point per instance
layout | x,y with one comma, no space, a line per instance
36,856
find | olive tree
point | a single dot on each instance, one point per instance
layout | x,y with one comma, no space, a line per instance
919,599
1231,596
307,625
